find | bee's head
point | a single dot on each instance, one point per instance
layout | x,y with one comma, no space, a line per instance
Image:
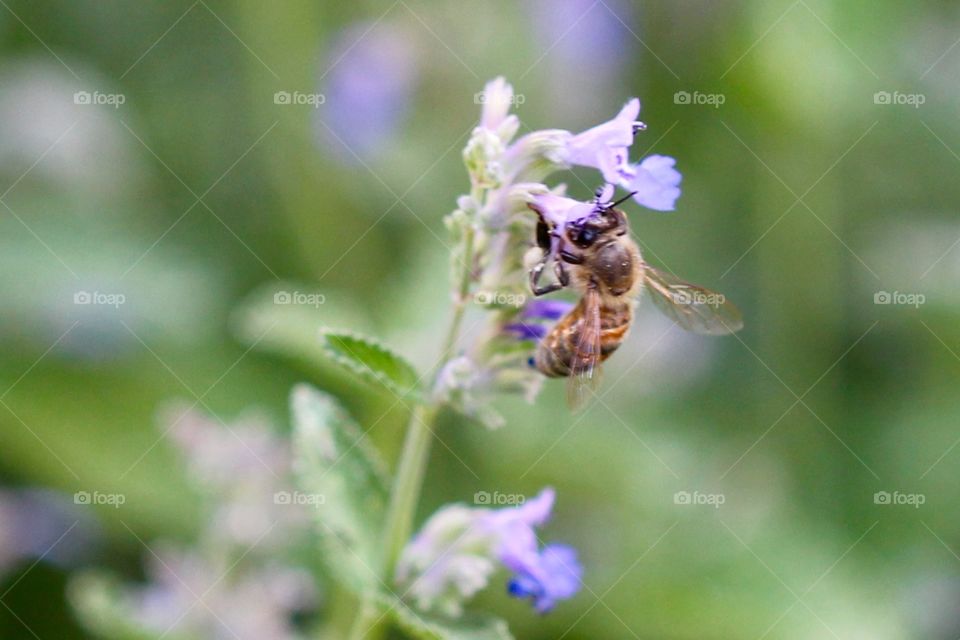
606,222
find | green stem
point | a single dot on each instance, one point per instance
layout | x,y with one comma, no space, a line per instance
412,467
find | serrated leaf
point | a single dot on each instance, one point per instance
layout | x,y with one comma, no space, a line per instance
98,600
371,360
333,460
431,627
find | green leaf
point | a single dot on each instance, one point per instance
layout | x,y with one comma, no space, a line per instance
334,461
431,627
371,360
99,601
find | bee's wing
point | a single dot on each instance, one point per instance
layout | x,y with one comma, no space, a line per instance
585,362
693,308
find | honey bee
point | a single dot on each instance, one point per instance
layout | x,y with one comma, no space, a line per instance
597,258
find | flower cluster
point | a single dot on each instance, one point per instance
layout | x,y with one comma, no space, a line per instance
240,579
493,229
459,548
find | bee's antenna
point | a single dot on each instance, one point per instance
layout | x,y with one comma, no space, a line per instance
621,200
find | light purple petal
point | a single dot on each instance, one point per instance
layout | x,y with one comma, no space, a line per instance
605,146
656,182
496,99
560,210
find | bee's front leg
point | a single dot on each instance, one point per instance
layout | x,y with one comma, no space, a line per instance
563,277
535,273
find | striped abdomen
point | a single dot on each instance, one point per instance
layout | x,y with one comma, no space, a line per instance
557,350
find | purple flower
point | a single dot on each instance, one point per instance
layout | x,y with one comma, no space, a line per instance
531,325
588,47
459,547
547,309
546,577
654,180
606,146
373,71
526,331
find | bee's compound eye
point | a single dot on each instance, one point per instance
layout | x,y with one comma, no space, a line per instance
531,362
586,236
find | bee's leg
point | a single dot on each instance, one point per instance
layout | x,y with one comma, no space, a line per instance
535,274
563,277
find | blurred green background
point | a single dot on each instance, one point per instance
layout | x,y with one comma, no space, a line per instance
818,184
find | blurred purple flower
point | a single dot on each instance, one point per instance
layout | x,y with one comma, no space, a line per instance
526,331
547,309
589,46
242,604
368,89
243,466
531,325
43,524
548,576
454,554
